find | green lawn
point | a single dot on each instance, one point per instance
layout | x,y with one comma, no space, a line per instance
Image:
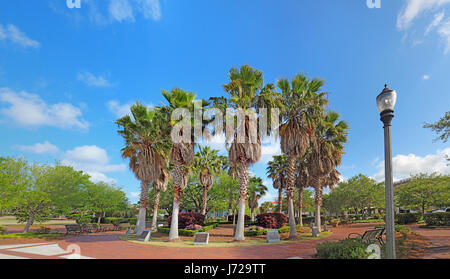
30,235
10,221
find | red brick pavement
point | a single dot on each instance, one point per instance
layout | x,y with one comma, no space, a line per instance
440,241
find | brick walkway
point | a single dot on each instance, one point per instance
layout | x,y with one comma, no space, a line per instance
108,246
440,242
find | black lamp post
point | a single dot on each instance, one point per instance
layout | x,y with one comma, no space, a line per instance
385,103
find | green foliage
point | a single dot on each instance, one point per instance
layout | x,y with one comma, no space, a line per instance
424,191
407,218
343,249
188,232
441,127
437,219
2,230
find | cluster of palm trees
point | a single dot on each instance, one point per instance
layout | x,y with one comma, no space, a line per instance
312,141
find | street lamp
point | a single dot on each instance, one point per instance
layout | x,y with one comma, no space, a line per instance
385,103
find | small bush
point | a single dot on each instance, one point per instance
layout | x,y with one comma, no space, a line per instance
271,220
193,227
189,218
437,219
344,249
42,230
2,230
230,218
407,218
186,232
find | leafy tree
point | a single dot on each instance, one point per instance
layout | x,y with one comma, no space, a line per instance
277,170
424,191
266,207
442,127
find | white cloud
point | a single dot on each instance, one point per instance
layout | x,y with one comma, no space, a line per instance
118,109
406,165
39,148
270,149
425,77
93,160
135,195
436,21
150,9
93,80
30,110
12,33
268,197
121,10
444,33
414,8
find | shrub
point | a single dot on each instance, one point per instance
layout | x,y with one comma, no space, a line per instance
230,218
407,218
187,232
42,230
271,220
437,219
193,227
189,218
398,228
2,230
344,249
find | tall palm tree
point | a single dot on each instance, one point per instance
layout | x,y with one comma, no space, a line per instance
256,190
208,164
246,92
182,152
146,144
302,101
301,183
277,170
159,185
326,154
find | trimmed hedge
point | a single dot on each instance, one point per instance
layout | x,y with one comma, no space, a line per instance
264,232
271,220
230,218
437,219
188,218
343,249
188,232
118,220
407,218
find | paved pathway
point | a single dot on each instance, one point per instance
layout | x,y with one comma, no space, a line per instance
440,242
108,246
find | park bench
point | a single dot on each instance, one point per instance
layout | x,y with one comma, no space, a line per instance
73,228
122,226
107,227
370,236
89,228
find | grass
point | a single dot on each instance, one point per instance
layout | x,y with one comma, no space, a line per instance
29,235
10,221
219,244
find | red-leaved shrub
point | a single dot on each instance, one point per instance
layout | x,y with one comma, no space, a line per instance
271,220
188,218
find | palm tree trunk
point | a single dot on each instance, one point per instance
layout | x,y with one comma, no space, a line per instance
290,196
318,203
300,206
178,179
243,179
29,223
140,224
155,209
205,196
280,199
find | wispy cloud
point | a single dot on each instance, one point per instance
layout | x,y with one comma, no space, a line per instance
425,77
92,80
39,148
29,110
121,10
13,34
436,21
415,8
444,33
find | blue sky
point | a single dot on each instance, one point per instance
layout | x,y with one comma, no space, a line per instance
67,74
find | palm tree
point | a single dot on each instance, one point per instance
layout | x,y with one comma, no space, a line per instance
182,152
256,190
326,154
302,103
246,92
208,164
277,170
301,183
146,144
159,185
